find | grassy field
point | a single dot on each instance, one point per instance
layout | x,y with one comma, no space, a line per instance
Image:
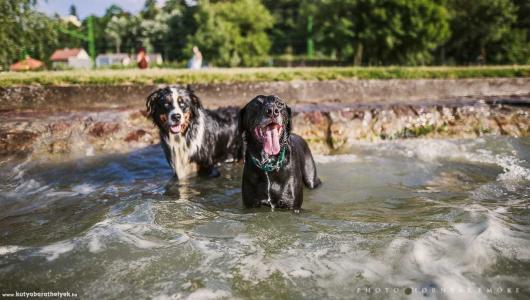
182,76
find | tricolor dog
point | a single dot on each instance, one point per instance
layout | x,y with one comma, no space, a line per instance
193,138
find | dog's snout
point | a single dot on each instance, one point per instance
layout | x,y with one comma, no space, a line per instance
273,112
175,117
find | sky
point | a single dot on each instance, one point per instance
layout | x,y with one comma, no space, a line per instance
87,7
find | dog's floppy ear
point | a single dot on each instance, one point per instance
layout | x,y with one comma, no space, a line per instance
150,103
195,101
241,133
240,119
196,104
289,126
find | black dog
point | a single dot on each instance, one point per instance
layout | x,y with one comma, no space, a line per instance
277,163
194,139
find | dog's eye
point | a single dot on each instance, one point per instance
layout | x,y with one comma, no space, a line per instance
166,104
183,104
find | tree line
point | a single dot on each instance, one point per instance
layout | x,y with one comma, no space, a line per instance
249,33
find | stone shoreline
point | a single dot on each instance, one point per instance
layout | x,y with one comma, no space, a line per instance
73,121
329,128
346,91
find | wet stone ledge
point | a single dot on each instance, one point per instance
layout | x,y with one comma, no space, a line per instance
329,128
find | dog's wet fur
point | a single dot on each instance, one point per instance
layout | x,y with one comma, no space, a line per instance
193,138
265,124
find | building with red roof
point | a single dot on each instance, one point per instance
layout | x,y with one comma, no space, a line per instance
27,64
75,58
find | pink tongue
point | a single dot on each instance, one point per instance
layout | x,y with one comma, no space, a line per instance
271,142
175,129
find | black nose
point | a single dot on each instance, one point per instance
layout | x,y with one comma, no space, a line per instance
175,117
273,112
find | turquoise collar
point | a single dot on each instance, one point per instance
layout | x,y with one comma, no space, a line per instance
272,164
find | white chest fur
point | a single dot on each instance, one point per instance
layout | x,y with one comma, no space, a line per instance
180,157
181,152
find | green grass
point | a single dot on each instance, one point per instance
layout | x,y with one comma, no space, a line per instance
182,76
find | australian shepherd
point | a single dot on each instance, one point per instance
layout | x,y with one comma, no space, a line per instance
193,138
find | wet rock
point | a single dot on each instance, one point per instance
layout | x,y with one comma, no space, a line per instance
16,142
135,135
328,128
314,127
101,129
74,134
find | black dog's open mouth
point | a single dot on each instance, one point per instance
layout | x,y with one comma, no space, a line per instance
269,135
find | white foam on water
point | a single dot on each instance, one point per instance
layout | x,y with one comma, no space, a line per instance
429,150
448,257
301,273
89,151
133,234
94,245
208,294
83,189
20,169
513,171
432,151
167,297
344,158
330,268
29,187
441,258
4,250
137,229
110,231
53,251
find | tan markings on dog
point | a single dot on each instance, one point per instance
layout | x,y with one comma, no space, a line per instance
185,122
163,118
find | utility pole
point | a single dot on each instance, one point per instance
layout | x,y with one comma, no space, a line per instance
310,47
89,38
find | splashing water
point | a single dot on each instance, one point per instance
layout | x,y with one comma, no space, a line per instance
269,191
442,219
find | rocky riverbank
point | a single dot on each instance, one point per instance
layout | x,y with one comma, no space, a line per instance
346,91
328,128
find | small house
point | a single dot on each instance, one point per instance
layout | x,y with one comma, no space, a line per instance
113,59
75,58
155,58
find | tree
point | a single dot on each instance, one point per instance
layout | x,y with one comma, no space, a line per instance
100,25
394,31
514,45
476,26
25,31
232,33
181,25
153,31
150,10
289,32
11,11
116,31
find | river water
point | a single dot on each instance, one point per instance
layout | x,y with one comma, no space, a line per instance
442,219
